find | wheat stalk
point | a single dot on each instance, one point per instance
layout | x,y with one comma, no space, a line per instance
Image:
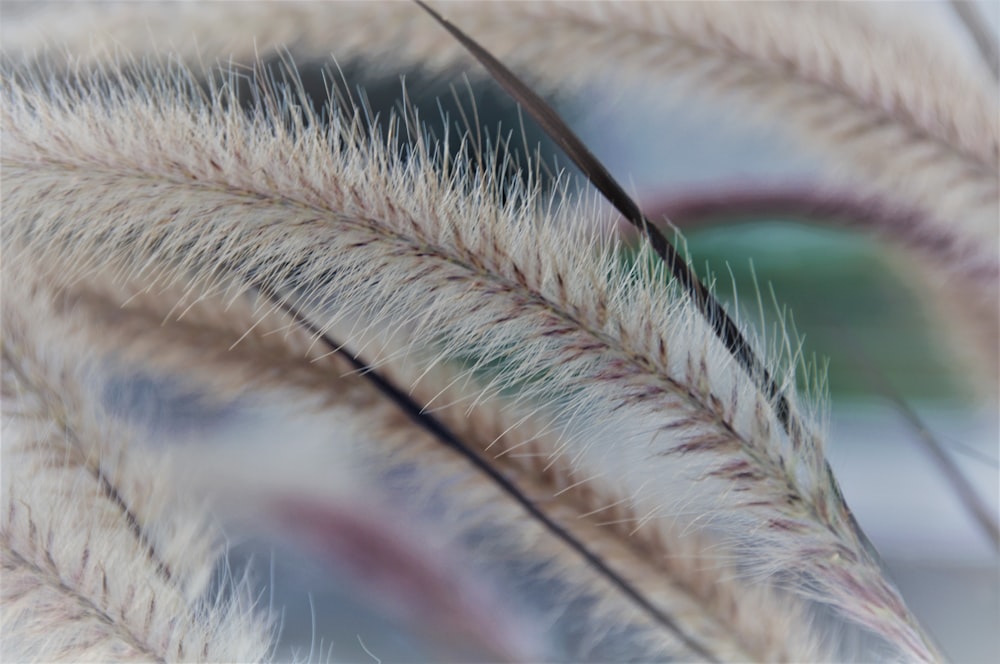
911,124
895,117
206,347
100,561
237,350
261,203
681,574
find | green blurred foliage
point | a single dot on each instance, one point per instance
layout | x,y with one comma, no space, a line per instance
847,302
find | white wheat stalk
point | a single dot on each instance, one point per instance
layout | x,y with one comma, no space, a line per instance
895,111
138,177
240,349
101,560
235,349
912,124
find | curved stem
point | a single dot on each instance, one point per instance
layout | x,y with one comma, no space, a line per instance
427,421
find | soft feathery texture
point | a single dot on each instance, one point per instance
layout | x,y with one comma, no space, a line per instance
684,572
884,100
246,348
131,174
101,562
684,575
904,119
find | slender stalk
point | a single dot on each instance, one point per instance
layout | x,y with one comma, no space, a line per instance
599,176
427,421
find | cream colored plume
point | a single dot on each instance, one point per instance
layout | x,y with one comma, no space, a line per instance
176,192
880,97
685,576
101,560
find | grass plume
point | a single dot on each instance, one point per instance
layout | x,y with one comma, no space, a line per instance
894,116
646,390
100,561
680,575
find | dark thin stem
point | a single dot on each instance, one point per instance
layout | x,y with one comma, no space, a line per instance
599,176
446,437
